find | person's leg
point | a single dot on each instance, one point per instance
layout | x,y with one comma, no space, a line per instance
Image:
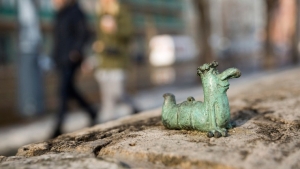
64,94
106,87
80,99
121,109
123,96
97,76
118,77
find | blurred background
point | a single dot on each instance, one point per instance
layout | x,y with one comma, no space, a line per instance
171,39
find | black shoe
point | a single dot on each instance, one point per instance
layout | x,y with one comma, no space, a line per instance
93,118
56,133
93,122
135,111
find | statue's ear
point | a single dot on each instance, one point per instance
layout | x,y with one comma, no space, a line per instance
199,71
214,64
206,67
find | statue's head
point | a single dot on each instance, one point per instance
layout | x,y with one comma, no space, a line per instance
207,67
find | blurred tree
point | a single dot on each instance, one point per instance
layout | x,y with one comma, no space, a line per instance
269,59
203,7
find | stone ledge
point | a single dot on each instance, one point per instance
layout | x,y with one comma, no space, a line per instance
61,161
266,113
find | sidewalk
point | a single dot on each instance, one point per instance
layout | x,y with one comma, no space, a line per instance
13,137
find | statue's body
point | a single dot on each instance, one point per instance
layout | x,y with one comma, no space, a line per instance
212,115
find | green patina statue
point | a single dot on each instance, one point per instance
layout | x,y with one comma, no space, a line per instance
212,115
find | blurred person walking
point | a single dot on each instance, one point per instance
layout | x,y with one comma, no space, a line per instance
30,75
70,36
114,30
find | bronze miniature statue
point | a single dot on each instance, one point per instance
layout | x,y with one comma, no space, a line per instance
212,115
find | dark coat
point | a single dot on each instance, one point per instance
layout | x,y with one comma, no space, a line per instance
70,36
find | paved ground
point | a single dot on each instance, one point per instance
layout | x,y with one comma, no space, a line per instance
16,136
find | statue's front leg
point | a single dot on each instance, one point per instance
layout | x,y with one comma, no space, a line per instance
229,125
218,132
215,130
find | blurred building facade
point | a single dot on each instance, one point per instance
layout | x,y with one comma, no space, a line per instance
237,30
237,38
13,88
240,29
150,18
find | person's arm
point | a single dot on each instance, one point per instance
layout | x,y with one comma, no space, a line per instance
81,34
55,48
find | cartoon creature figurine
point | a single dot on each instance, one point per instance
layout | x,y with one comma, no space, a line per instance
212,115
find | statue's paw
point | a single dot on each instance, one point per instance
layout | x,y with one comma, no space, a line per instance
230,125
217,133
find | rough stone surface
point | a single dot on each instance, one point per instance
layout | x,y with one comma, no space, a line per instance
62,160
266,113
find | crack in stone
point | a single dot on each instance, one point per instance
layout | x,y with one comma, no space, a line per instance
98,148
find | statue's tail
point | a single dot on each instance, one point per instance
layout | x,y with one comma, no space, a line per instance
169,99
169,114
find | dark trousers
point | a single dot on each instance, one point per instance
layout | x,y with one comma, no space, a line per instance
68,91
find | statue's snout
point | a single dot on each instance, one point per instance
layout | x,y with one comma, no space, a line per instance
230,73
237,73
